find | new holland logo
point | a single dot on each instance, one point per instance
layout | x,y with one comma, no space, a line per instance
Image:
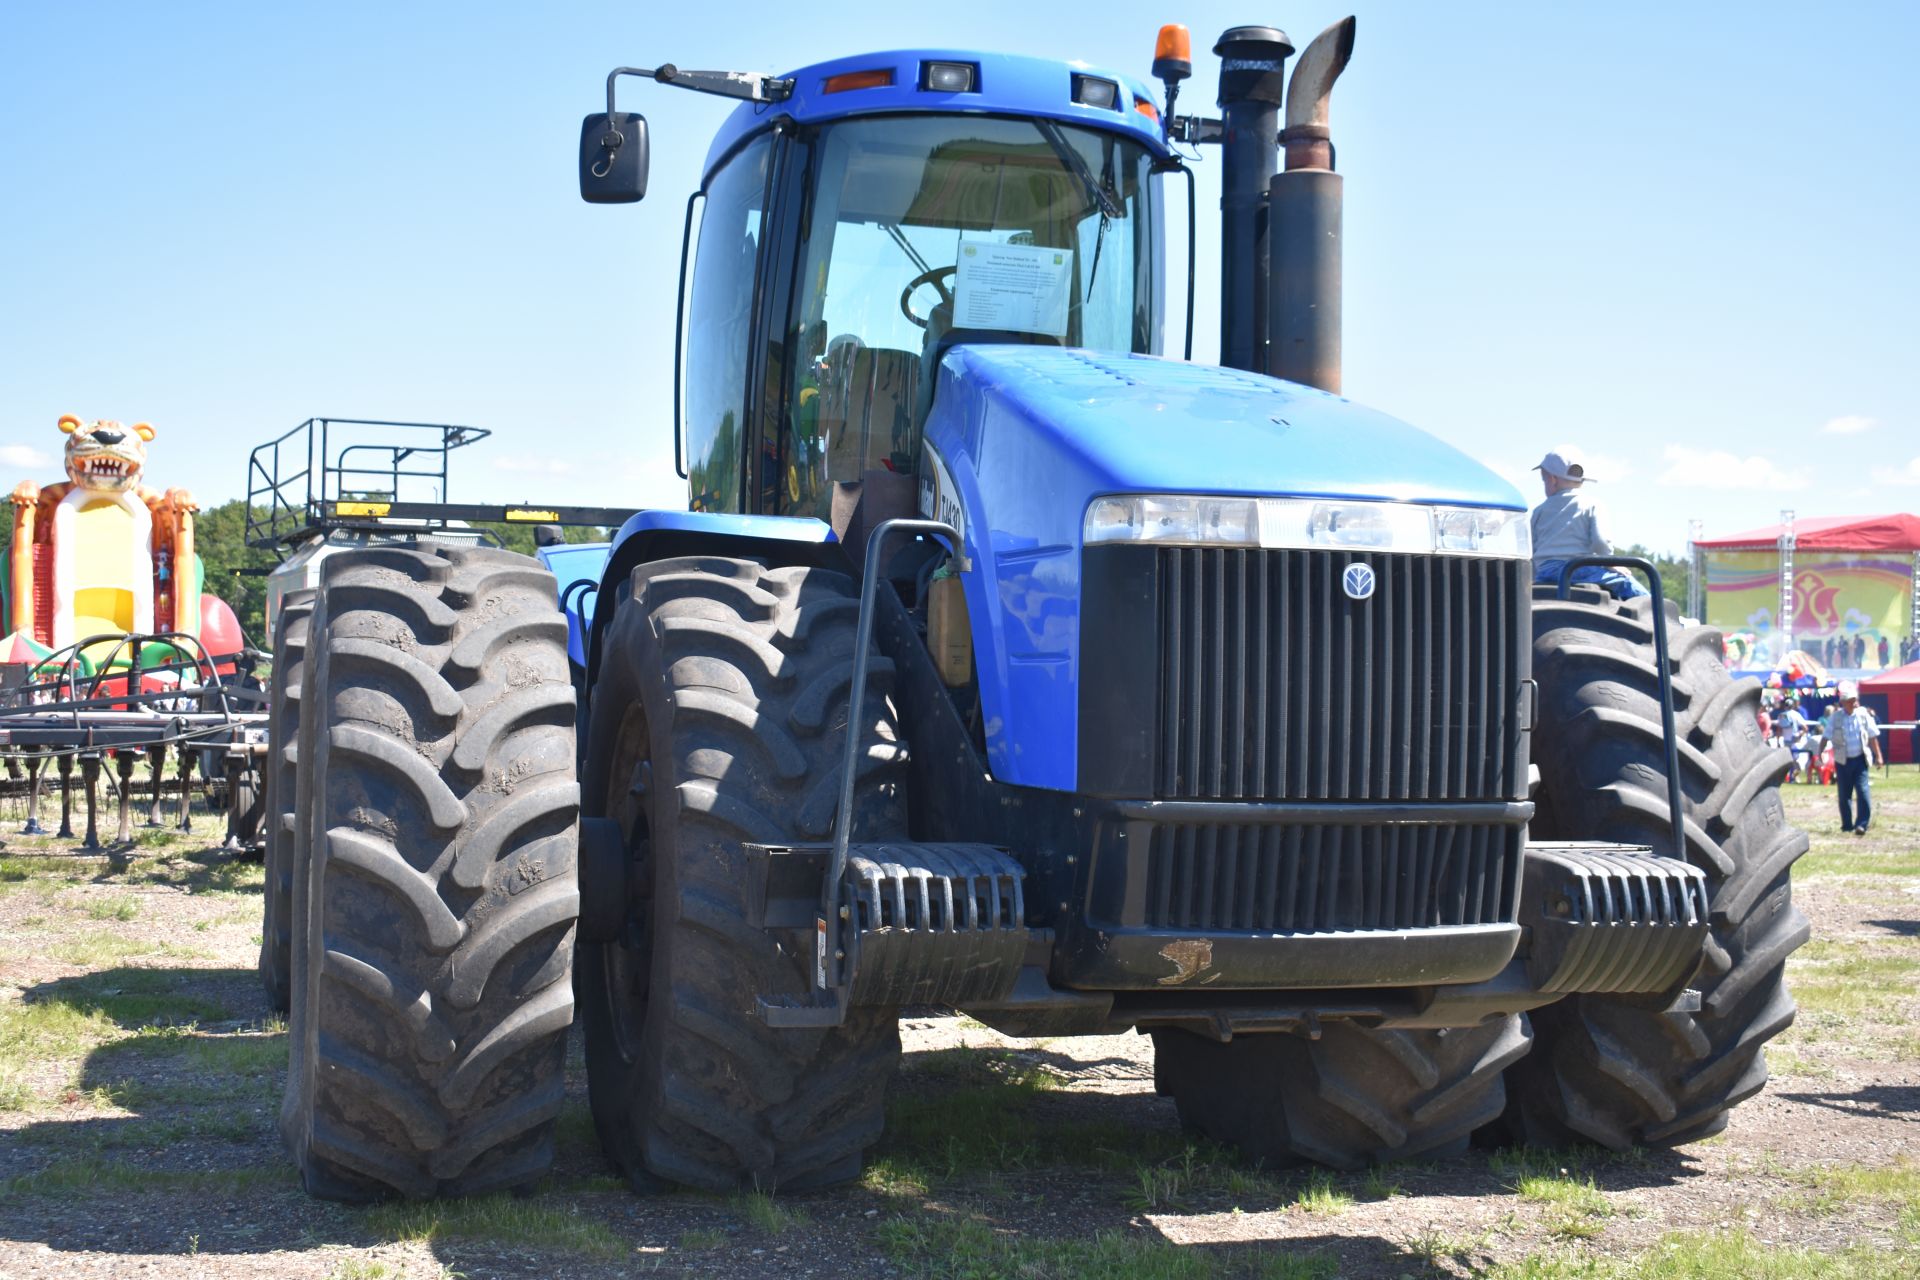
1357,581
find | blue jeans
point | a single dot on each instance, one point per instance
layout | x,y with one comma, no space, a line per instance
1852,776
1619,585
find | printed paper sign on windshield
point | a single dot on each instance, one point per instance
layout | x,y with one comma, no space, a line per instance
1012,286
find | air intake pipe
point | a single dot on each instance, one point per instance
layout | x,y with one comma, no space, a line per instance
1303,212
1252,74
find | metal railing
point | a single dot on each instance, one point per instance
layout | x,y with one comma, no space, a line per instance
292,477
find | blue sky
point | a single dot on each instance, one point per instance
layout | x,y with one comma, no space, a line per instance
1681,236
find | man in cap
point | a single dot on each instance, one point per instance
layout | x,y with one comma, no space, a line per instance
1854,735
1567,525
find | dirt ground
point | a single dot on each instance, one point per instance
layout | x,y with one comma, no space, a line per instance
140,1075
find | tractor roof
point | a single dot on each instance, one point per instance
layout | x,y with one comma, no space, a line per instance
1004,85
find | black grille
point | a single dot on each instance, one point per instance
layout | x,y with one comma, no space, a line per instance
1274,685
1320,879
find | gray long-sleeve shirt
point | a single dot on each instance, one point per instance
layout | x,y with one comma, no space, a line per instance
1567,525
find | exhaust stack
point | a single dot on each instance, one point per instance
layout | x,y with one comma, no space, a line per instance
1252,72
1304,214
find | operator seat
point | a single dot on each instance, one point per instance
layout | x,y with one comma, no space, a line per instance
872,440
869,414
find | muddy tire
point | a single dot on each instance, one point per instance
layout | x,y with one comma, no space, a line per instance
1609,1069
282,769
434,890
1354,1097
718,718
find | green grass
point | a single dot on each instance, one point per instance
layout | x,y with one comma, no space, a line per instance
1853,979
1786,1061
112,908
1844,856
890,1176
1575,1207
1838,1187
700,1239
541,1223
97,951
363,1269
31,1035
254,1048
1321,1196
941,1247
76,1175
1714,1255
1892,848
1378,1186
135,998
766,1215
15,872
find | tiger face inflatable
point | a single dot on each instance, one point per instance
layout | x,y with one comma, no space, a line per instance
105,457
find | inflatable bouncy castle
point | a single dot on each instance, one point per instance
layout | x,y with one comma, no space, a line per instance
103,555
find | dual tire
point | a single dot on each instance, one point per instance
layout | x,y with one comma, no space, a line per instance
432,892
718,721
1612,1070
426,732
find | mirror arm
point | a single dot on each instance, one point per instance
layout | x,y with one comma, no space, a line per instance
750,86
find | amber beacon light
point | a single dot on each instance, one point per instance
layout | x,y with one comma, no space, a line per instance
1173,54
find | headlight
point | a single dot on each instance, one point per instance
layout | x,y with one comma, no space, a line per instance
1174,520
1196,521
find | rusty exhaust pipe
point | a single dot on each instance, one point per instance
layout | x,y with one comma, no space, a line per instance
1304,214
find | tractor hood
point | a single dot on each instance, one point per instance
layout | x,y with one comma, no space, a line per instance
1119,423
1022,438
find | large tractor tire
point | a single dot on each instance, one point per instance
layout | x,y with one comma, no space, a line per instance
1614,1070
718,719
282,770
434,892
1354,1096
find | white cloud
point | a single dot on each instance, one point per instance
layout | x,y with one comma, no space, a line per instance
23,456
1902,476
1690,468
1851,424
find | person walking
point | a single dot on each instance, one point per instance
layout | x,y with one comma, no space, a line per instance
1854,735
1567,526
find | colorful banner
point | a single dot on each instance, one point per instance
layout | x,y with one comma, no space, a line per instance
1844,605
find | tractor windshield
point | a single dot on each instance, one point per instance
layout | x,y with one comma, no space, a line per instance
1002,230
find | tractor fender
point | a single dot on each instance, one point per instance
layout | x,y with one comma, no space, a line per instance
661,535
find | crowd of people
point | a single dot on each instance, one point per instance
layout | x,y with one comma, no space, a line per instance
1854,652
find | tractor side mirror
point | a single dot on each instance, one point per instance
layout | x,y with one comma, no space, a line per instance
613,158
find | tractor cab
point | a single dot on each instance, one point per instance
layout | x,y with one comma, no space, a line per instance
899,204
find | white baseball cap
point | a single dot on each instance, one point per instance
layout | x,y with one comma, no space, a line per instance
1848,689
1562,463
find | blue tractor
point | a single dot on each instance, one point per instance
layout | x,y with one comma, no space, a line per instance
1004,663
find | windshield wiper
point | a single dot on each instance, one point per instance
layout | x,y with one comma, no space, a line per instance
906,246
1097,195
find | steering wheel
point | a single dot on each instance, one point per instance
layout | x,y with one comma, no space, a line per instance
931,276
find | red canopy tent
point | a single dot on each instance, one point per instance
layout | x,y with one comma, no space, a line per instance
1895,695
1897,532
